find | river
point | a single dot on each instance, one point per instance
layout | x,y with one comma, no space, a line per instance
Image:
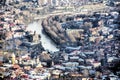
46,42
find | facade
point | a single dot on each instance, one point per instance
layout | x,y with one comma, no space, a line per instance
1,58
49,2
54,3
42,2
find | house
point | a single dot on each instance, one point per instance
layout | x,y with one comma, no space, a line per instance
96,64
113,77
65,56
70,49
71,64
1,58
54,2
42,2
56,72
71,69
60,67
74,58
81,60
110,59
36,38
89,54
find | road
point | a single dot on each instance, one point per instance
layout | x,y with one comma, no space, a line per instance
86,9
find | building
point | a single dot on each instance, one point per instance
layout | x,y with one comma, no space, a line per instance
1,59
54,3
2,2
49,2
42,2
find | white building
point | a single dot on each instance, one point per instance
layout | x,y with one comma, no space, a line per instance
66,57
54,2
71,64
42,2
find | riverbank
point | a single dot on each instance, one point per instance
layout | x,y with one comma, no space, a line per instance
46,42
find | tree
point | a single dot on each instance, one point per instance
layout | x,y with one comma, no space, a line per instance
87,26
44,23
44,56
115,67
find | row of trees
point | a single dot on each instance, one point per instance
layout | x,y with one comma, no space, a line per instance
52,25
53,29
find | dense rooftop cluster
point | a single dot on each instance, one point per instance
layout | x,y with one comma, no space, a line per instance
88,40
89,45
73,28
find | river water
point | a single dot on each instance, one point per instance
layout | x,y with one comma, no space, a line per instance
47,43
